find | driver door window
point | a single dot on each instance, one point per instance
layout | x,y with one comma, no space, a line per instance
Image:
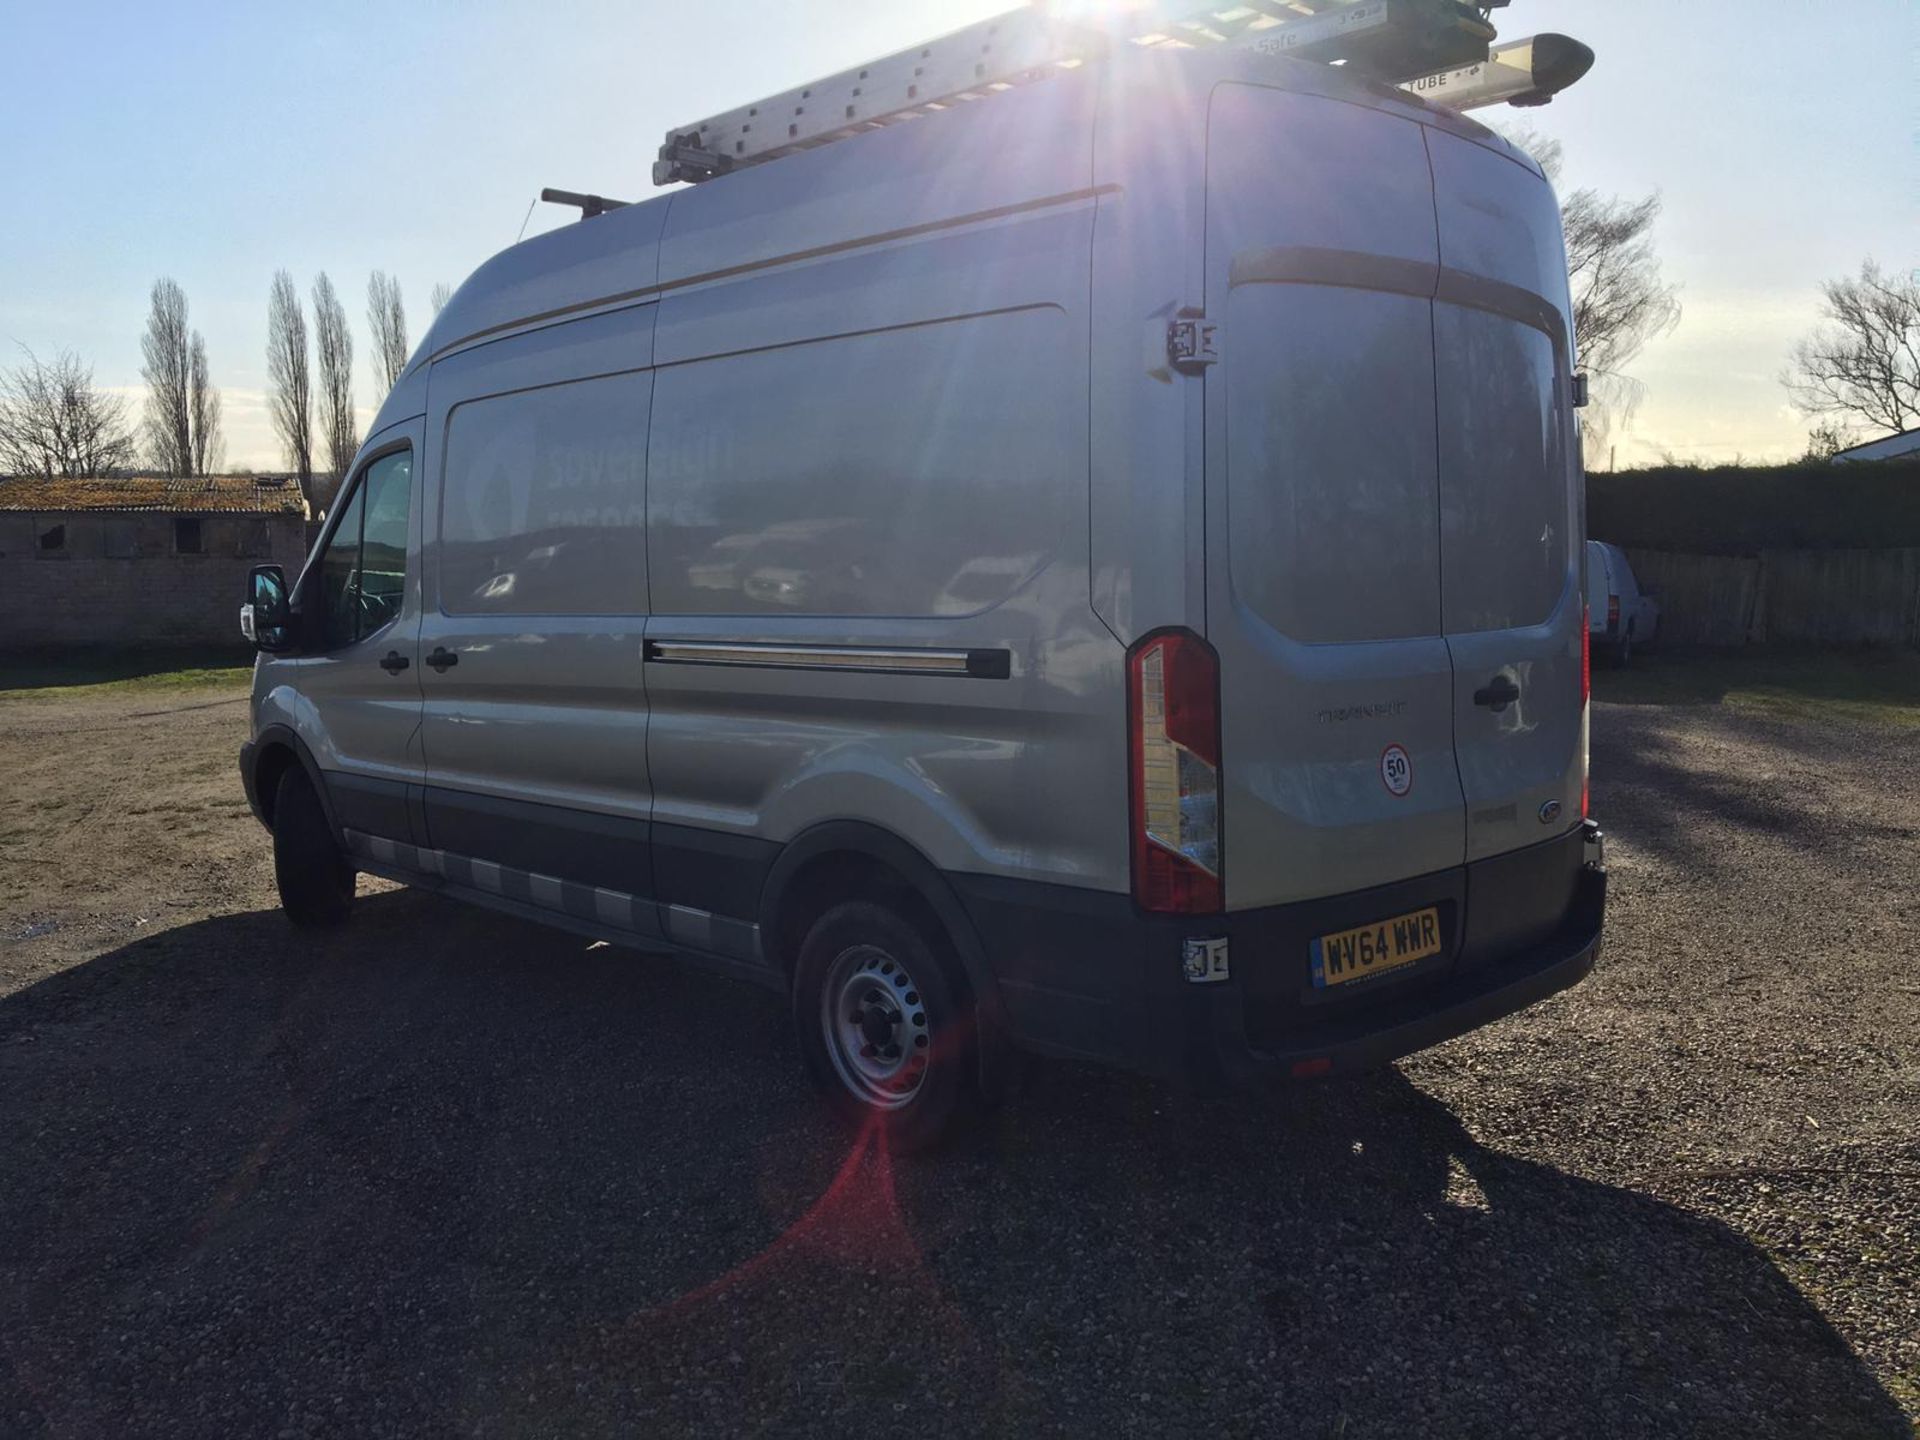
363,571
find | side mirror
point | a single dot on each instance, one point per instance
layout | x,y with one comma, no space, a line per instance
267,617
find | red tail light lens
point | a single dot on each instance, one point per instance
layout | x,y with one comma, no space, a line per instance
1613,614
1586,654
1173,693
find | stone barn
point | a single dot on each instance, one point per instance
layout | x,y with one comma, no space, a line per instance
131,562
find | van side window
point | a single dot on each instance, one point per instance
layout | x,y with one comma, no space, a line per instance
383,544
917,472
339,575
364,569
543,510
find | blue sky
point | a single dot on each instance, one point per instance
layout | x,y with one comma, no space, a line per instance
214,142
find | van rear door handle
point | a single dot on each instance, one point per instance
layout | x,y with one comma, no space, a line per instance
441,659
394,662
1496,695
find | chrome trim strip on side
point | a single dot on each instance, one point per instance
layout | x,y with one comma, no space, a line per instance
869,659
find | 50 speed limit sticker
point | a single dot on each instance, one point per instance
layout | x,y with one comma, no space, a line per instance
1396,770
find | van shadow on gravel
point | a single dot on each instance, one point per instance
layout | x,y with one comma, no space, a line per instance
446,1172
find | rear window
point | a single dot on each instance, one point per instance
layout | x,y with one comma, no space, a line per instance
1506,491
1331,510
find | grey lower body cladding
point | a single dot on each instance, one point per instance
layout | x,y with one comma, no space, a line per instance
1084,974
1090,976
594,909
1078,973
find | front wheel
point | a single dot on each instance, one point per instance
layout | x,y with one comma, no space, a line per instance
884,1024
314,879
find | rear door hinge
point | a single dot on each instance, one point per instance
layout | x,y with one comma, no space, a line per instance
1580,392
1193,343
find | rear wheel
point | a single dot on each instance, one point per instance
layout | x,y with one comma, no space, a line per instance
314,879
883,1024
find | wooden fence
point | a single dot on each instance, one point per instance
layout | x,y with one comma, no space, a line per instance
1784,597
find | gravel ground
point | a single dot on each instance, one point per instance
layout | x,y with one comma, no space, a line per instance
448,1173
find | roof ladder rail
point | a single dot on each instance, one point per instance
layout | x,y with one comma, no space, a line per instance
1390,40
971,64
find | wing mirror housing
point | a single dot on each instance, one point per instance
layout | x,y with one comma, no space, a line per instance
267,617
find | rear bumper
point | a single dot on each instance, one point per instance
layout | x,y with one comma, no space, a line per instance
1397,1027
1087,975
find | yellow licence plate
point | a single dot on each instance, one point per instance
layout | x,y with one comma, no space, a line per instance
1370,950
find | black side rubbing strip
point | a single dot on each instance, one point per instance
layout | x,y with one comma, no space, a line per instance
981,664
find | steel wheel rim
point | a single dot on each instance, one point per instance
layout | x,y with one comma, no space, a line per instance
874,1020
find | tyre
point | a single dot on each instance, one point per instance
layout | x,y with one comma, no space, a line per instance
885,1024
1625,652
315,881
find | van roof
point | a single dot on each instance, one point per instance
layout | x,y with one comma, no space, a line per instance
868,188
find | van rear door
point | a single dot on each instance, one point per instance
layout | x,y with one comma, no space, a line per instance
1510,496
1323,508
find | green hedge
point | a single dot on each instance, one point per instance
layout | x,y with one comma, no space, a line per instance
1744,509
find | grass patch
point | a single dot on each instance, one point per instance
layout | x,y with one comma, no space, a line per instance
44,674
1870,687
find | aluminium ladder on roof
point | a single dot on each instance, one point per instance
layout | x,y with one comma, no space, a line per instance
1391,40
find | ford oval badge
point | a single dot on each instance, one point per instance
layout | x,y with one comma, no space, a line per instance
1549,812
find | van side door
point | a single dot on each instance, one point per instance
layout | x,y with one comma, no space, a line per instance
536,603
353,693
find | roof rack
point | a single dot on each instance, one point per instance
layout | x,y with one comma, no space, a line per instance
589,205
1391,40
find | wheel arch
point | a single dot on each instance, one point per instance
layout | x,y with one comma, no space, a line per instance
276,748
851,859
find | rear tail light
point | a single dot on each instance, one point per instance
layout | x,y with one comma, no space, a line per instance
1613,614
1586,693
1173,695
1586,654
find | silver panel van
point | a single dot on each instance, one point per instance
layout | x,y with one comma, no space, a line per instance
1096,573
1620,614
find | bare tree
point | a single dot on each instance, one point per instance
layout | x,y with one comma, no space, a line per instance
291,402
442,292
203,412
1826,440
1863,363
1620,300
183,408
388,318
167,349
55,421
333,349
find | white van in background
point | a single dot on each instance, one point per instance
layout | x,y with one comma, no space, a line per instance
1094,572
1619,613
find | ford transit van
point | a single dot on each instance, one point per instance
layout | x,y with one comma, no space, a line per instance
1095,572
